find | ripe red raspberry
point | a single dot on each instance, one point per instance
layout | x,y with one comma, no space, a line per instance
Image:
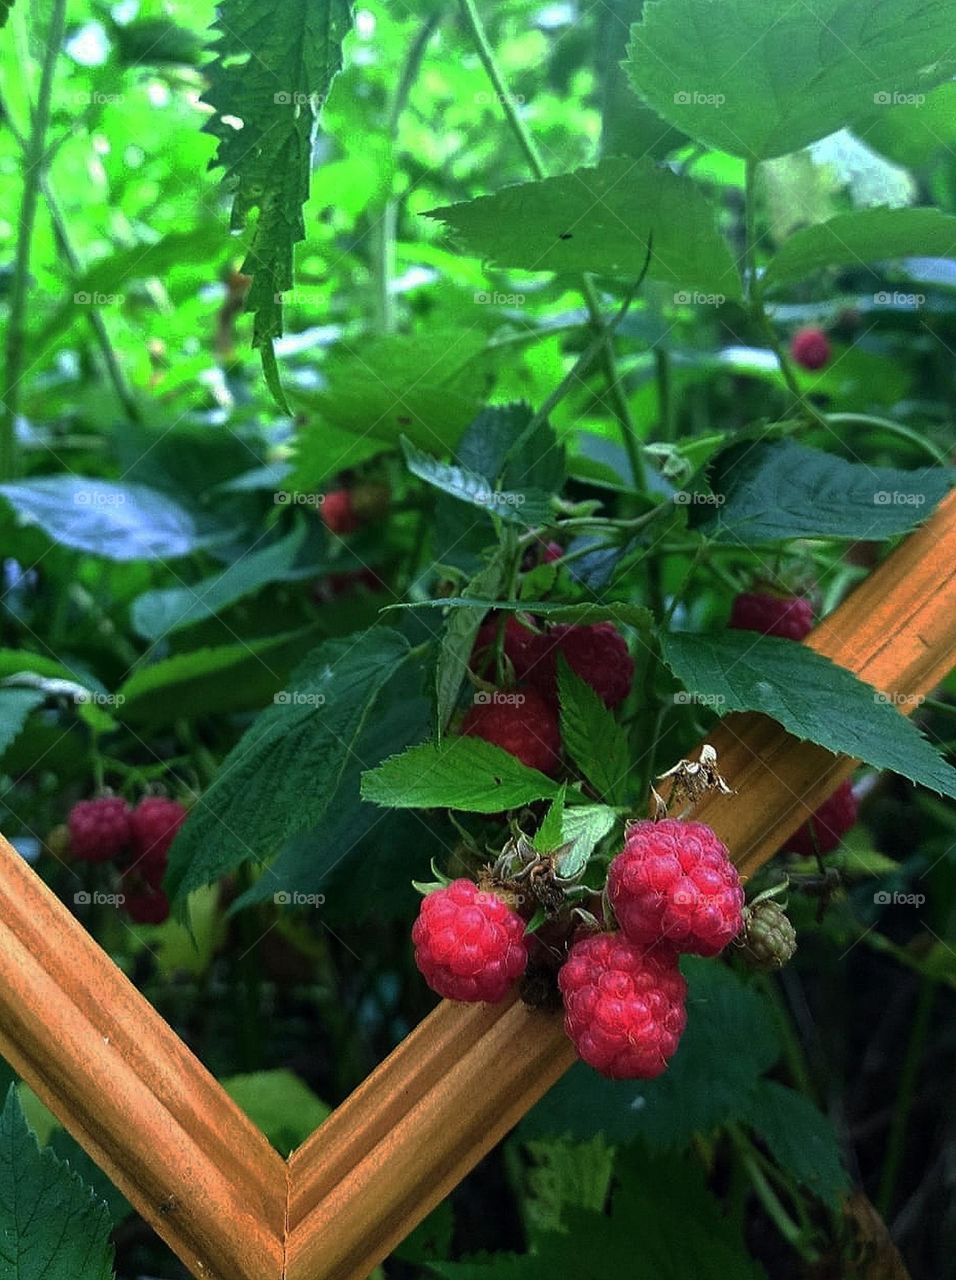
810,348
519,645
551,551
99,829
469,944
521,722
145,902
790,617
153,826
830,823
597,653
338,514
624,1007
674,881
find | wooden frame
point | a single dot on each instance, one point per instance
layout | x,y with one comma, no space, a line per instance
148,1112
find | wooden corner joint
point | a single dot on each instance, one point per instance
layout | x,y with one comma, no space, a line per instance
133,1095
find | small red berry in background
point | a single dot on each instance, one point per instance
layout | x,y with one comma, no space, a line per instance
520,721
790,617
596,652
153,826
144,900
624,1006
337,513
518,644
674,882
829,824
551,551
469,944
99,828
810,348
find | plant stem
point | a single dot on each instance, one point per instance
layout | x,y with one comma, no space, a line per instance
750,231
895,428
619,405
33,172
896,1143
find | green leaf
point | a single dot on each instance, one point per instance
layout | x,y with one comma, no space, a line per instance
867,235
528,507
278,1103
601,220
228,677
161,612
729,1043
458,638
549,835
488,441
767,492
117,521
459,773
51,1228
15,707
812,697
584,825
592,737
427,386
284,770
759,78
272,71
800,1139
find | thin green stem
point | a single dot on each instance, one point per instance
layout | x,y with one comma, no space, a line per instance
665,398
770,1201
33,173
619,405
896,1143
894,428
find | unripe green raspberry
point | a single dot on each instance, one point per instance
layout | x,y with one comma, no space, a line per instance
768,939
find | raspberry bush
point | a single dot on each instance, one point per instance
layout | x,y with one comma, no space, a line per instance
425,430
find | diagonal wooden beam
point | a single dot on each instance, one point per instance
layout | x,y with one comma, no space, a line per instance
117,1076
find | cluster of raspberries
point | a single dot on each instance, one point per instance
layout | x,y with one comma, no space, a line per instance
672,889
791,618
525,721
107,829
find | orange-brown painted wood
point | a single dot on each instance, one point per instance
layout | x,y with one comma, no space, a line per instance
149,1113
131,1093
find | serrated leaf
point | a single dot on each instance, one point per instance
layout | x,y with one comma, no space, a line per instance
812,697
427,386
488,441
864,236
584,826
549,835
800,1139
273,68
15,707
458,639
760,78
51,1227
105,518
283,772
165,610
527,507
592,737
601,220
226,677
459,773
767,492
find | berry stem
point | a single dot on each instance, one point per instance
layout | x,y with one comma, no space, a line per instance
769,1200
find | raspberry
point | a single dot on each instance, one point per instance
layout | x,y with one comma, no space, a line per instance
674,881
144,899
153,826
769,939
551,551
830,823
469,944
99,829
523,723
338,514
790,617
597,653
624,1008
810,348
518,642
